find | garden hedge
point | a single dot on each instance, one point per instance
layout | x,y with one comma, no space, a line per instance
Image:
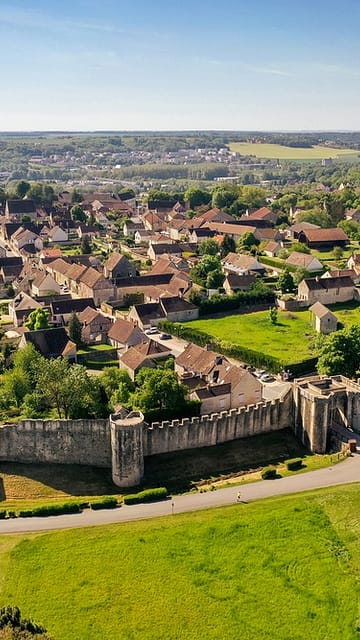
148,495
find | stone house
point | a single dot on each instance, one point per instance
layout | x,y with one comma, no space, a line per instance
242,264
235,282
51,343
272,249
326,290
322,319
20,308
62,309
57,234
214,369
172,308
95,325
44,284
16,209
93,285
304,261
143,355
118,266
123,334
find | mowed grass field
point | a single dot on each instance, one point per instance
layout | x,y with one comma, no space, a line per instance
289,153
290,340
284,568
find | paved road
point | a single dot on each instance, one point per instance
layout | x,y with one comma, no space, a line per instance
345,472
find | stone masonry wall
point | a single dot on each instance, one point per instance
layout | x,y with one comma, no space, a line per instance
209,430
85,442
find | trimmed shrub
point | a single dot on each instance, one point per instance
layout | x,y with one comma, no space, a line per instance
105,503
51,510
2,515
148,495
294,465
269,473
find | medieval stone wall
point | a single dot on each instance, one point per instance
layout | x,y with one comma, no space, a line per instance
85,442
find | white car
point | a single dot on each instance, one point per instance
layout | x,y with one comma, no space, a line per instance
151,331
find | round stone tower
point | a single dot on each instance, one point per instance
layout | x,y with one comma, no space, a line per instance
127,449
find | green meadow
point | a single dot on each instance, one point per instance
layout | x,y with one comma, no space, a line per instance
289,153
290,340
284,568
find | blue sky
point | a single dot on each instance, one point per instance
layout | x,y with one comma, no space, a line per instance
193,64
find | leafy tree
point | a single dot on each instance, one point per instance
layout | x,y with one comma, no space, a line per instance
69,389
206,264
340,353
299,275
76,196
85,244
228,245
315,216
77,213
117,385
15,386
224,196
252,197
273,315
38,319
351,228
337,253
126,193
286,282
209,247
301,247
214,279
247,242
28,361
158,389
22,188
197,197
75,329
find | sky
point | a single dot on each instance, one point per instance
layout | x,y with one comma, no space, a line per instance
179,65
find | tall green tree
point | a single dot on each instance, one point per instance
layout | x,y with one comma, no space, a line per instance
77,213
158,389
340,353
197,197
228,245
22,188
85,244
75,329
286,282
209,247
247,242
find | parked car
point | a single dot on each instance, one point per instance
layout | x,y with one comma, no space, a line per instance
165,336
151,331
267,378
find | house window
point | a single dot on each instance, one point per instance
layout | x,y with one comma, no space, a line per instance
222,403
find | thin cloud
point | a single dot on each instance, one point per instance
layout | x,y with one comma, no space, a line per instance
29,19
243,65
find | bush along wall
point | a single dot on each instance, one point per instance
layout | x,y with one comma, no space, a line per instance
148,495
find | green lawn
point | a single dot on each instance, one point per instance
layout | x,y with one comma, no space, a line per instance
290,340
285,568
289,153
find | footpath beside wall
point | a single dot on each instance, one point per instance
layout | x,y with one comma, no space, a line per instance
84,442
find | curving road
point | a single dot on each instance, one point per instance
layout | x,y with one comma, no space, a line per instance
342,473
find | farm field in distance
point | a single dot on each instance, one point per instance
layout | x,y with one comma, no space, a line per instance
290,340
283,568
289,153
